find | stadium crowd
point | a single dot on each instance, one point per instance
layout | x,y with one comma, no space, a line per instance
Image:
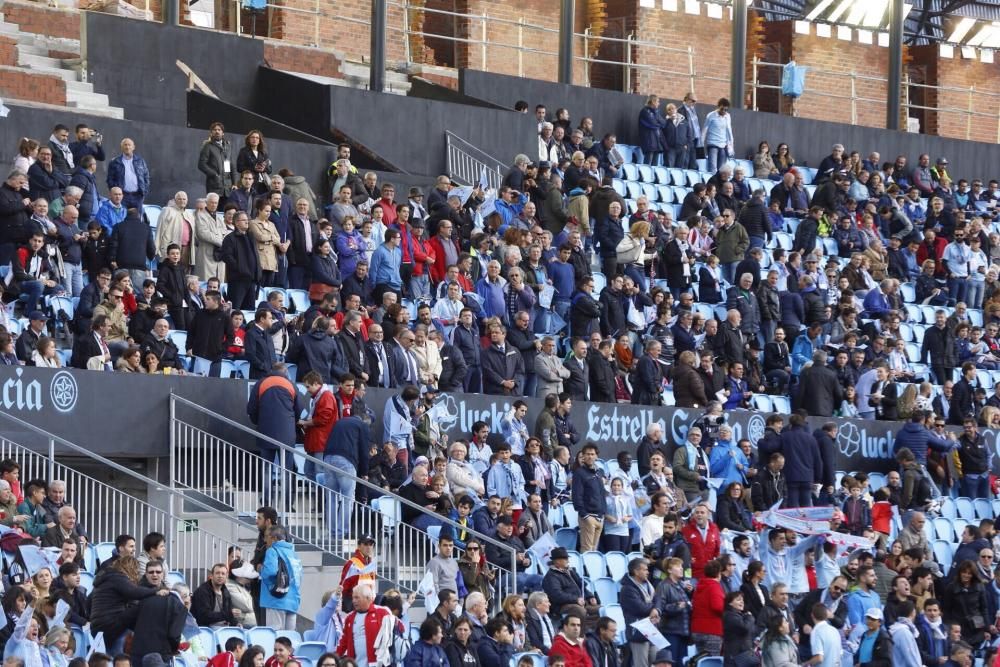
555,286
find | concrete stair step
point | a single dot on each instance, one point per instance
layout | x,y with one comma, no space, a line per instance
87,98
37,61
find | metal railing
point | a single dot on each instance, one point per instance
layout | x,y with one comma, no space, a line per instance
242,481
466,162
852,80
105,511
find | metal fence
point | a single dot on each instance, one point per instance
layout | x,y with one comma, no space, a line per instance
105,511
242,481
467,164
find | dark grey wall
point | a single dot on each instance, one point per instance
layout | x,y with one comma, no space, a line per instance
809,140
408,132
138,72
170,150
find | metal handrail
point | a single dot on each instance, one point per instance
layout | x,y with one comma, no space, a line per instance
475,149
156,518
320,463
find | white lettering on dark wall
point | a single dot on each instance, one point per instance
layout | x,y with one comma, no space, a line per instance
20,395
604,425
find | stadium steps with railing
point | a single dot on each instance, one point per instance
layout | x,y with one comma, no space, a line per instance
54,56
355,75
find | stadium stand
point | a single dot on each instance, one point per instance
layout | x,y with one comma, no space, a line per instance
595,272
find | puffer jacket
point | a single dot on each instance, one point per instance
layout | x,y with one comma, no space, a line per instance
672,603
110,600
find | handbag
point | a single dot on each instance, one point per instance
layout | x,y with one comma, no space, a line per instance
628,250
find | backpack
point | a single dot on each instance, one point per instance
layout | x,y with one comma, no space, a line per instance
282,580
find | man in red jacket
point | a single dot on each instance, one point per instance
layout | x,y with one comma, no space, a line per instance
703,538
379,626
569,644
322,417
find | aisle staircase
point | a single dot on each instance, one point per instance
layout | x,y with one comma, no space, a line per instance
58,58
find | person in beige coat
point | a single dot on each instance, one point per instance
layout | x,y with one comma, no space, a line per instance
428,357
549,370
209,230
176,225
268,242
463,479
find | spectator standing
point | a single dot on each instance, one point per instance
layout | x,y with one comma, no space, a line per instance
280,579
803,465
273,408
373,633
216,161
695,144
637,603
707,607
717,136
129,172
347,449
589,498
651,124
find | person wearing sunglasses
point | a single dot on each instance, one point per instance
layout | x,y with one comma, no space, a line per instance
832,598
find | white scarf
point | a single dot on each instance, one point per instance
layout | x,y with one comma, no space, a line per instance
64,149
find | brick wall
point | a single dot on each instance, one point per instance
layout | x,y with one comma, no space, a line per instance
37,18
303,59
963,74
8,51
23,84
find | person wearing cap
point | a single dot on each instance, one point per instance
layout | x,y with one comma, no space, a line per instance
415,199
211,603
423,253
241,576
875,647
352,574
28,340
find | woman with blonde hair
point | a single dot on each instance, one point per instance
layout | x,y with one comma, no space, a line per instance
27,152
632,254
462,477
516,613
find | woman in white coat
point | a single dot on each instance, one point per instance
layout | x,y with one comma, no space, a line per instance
463,479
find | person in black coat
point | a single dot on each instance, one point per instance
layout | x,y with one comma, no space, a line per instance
44,180
317,351
323,266
171,283
602,374
15,213
694,203
676,257
586,315
453,367
578,382
258,347
501,363
158,627
156,341
754,219
647,381
116,587
709,289
204,598
823,394
83,178
803,463
755,594
608,233
738,630
209,330
131,243
613,302
86,345
826,439
836,591
963,396
731,513
523,339
243,272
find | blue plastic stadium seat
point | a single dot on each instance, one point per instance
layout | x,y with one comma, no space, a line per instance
566,538
662,175
646,174
630,171
593,562
607,590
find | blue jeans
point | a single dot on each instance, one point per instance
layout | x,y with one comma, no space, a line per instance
341,501
974,487
974,294
691,155
132,200
677,157
33,290
677,650
729,272
72,280
420,288
138,277
799,494
715,157
757,242
957,288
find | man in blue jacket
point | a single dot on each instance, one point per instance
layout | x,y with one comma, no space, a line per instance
347,449
274,407
803,463
589,498
497,648
427,651
129,172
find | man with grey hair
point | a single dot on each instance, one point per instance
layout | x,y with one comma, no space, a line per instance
515,177
71,197
476,611
209,231
831,163
742,299
823,392
540,630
